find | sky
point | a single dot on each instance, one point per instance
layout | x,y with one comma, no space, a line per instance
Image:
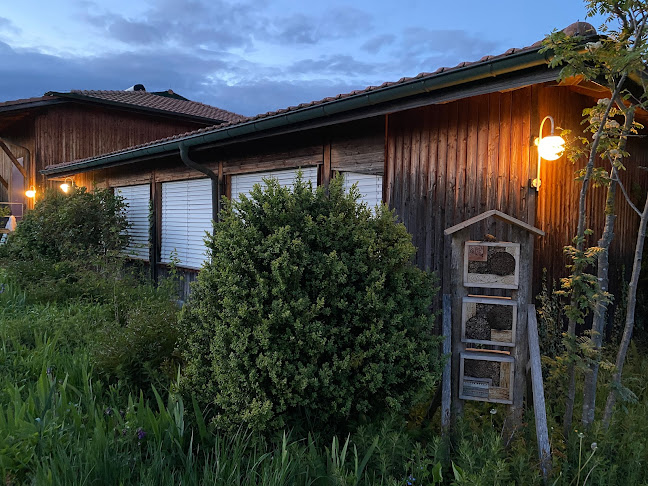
256,56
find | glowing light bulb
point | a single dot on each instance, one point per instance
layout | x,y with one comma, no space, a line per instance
551,148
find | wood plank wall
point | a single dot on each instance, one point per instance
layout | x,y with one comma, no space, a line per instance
447,163
443,164
557,210
71,132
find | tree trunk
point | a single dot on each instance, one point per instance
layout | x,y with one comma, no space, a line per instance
598,322
580,242
599,318
629,324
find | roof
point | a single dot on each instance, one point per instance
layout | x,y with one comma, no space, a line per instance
159,102
512,60
497,215
26,103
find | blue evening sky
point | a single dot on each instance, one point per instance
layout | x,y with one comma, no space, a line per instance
254,56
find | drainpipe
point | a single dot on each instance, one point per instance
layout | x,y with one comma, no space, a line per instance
216,192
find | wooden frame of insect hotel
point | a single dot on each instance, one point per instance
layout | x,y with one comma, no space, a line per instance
494,323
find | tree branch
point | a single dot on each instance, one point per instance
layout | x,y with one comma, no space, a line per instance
615,177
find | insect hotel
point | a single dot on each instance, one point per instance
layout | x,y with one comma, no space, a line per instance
485,316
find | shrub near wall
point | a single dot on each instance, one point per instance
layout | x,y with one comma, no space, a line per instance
309,309
65,239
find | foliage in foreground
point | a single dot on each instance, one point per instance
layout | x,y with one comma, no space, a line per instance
309,312
67,239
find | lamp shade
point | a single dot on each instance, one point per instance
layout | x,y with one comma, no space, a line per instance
551,148
31,192
65,187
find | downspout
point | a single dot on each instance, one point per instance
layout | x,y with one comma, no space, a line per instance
216,196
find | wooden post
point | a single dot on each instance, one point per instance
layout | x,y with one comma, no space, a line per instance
156,228
539,407
458,293
521,349
221,190
326,165
447,350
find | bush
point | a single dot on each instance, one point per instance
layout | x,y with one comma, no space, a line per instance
65,242
308,311
138,347
69,226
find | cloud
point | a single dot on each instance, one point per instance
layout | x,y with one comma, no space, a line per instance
199,78
217,24
428,49
375,44
8,26
335,23
337,64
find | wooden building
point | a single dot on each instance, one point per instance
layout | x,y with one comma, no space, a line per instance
36,132
437,148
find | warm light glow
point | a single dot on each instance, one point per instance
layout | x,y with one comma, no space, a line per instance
31,193
551,148
65,187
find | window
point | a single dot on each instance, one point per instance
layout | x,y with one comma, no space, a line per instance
244,183
186,217
137,200
370,187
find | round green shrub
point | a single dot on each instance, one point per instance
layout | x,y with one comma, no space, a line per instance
308,312
68,245
71,226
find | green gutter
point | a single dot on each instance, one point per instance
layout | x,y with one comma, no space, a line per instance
475,72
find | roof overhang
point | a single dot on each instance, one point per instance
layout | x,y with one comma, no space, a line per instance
418,91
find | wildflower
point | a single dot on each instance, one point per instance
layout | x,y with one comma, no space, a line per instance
493,411
581,435
411,480
2,288
108,411
124,431
594,446
141,433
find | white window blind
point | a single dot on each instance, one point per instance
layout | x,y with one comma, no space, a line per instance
137,200
186,216
370,187
244,183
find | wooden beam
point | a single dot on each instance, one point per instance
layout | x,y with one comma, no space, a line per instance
13,158
326,165
446,383
4,182
497,215
539,407
458,293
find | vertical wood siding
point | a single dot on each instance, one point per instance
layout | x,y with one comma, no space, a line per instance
557,206
70,132
449,162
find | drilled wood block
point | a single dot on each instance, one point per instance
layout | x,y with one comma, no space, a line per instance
493,265
486,376
488,320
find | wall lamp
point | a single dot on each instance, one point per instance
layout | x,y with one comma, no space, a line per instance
31,192
65,187
549,148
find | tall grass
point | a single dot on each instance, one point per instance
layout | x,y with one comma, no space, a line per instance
64,423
